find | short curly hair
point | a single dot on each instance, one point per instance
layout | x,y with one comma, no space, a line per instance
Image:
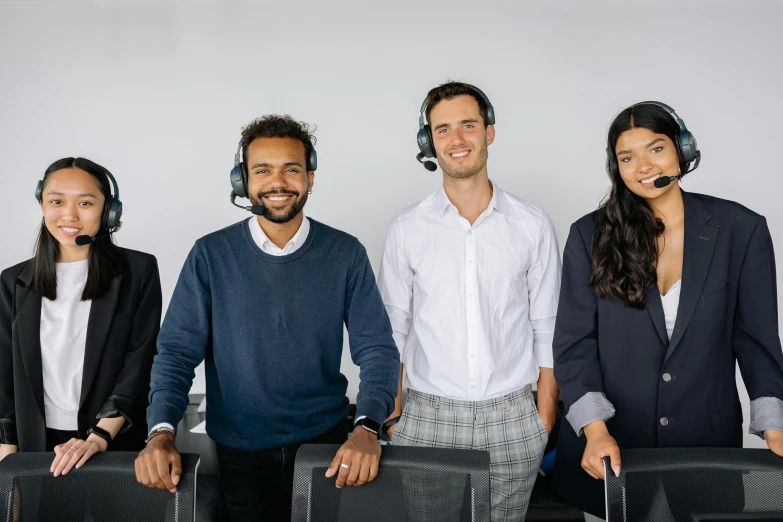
277,126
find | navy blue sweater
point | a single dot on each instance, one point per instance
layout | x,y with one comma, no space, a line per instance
271,332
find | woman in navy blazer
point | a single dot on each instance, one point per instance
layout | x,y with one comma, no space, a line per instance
662,292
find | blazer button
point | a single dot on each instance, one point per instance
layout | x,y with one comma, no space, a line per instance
664,421
667,377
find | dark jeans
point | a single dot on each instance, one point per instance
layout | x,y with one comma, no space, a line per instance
257,485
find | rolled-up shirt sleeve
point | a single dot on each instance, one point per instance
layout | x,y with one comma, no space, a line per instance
543,283
395,282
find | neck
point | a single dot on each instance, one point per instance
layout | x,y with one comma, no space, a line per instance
71,254
669,208
471,196
280,233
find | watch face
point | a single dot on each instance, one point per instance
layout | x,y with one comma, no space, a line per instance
372,425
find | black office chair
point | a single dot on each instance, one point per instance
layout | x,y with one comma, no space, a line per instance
695,485
103,490
413,485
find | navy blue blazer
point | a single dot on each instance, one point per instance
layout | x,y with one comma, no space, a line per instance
678,393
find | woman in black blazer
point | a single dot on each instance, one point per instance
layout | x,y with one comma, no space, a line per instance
662,292
78,325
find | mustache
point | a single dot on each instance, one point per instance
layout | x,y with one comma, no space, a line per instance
278,192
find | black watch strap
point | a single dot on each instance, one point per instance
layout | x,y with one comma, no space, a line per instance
100,432
389,423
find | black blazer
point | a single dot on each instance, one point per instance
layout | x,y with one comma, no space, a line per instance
121,333
728,312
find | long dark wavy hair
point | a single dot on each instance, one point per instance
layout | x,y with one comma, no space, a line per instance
624,247
105,260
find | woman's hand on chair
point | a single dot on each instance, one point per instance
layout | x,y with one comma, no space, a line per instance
74,453
599,445
775,441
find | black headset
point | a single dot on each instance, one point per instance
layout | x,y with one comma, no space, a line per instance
424,136
686,144
111,218
239,172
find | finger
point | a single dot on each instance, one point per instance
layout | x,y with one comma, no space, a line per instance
344,470
57,458
364,472
87,454
614,454
588,467
163,472
143,474
334,467
374,463
176,468
65,457
356,464
75,456
137,469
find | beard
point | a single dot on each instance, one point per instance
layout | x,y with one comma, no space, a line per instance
466,171
280,215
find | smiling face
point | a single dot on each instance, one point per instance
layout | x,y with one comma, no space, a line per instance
72,204
277,177
460,137
644,156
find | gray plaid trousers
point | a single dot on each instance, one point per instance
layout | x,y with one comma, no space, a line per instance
509,427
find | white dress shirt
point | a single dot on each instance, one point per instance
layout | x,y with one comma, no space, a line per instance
472,307
266,245
63,331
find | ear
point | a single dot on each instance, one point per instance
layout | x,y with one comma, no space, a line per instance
310,179
490,134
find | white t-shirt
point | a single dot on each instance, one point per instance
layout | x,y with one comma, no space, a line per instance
63,337
671,303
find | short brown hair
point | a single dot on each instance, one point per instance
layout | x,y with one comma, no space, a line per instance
450,90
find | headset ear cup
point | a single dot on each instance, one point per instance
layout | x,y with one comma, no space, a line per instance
687,146
312,160
39,191
490,114
238,180
424,140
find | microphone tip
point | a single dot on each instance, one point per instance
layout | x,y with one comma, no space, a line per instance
429,165
84,240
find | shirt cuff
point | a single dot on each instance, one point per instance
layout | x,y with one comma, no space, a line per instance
591,407
162,425
766,413
543,353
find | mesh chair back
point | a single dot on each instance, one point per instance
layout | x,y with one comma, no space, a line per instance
103,490
413,484
695,485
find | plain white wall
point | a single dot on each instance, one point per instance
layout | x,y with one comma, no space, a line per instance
158,92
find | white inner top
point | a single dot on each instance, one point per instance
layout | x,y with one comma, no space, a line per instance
671,302
63,337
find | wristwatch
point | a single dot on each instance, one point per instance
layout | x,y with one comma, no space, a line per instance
100,432
371,425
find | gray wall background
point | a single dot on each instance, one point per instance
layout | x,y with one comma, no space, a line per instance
158,92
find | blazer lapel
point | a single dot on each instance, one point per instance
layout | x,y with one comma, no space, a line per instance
28,325
699,245
98,326
655,307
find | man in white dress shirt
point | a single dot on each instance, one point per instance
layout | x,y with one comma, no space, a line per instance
470,279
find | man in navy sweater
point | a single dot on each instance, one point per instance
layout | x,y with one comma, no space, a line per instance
264,302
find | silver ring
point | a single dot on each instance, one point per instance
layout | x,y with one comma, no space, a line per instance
346,466
74,448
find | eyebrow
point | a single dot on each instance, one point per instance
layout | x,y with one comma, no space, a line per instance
653,142
442,125
268,165
84,195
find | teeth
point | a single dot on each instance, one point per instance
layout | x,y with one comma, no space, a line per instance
650,180
278,198
459,154
69,230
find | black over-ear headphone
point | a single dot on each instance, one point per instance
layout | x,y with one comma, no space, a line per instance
424,136
111,218
239,172
686,145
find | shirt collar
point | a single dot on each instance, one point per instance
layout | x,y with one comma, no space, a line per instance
265,244
498,201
